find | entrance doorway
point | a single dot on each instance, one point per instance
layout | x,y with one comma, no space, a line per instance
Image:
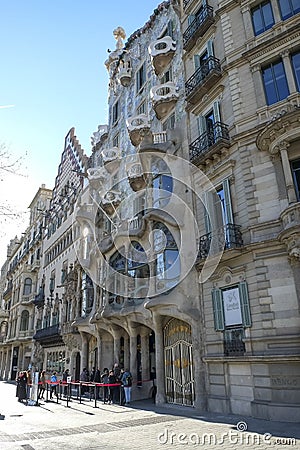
179,374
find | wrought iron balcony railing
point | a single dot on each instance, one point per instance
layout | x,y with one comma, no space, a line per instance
217,135
209,66
233,342
198,27
226,237
47,332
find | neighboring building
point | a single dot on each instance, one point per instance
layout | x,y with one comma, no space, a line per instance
22,266
56,302
242,64
177,245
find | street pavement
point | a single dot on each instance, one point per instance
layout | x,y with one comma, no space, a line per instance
140,425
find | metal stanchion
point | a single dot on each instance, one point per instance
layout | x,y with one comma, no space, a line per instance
80,392
47,392
95,395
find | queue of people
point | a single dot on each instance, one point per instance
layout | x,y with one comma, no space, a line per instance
118,391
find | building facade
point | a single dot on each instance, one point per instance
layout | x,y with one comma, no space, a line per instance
175,247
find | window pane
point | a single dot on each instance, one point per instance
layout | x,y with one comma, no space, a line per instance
268,15
296,6
257,21
296,67
281,83
275,83
296,175
285,9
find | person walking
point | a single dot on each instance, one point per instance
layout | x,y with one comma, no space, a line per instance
127,384
65,376
53,387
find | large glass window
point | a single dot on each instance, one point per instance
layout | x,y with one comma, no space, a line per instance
262,17
27,286
141,77
275,82
296,68
295,165
24,321
289,8
167,257
162,183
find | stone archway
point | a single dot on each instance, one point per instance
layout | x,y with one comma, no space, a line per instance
178,352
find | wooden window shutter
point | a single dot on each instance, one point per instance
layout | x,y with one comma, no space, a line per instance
245,307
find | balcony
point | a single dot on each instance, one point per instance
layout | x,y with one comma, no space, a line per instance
111,158
49,335
290,234
39,300
125,73
135,175
224,238
158,142
110,201
209,143
164,98
138,127
198,27
162,51
205,77
97,177
233,342
105,243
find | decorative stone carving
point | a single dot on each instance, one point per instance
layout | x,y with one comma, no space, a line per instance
110,201
138,127
72,342
164,98
162,51
111,158
97,176
135,176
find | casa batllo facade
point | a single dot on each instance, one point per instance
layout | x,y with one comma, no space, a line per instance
184,252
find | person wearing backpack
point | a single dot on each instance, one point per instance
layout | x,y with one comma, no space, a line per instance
127,383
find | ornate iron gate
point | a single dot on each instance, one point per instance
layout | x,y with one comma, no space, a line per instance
179,374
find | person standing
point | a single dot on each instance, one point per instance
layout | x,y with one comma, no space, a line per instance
53,388
21,386
112,389
105,380
42,384
65,376
127,384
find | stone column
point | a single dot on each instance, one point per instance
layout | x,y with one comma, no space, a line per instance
276,12
198,369
282,147
145,355
246,14
288,71
258,86
126,352
116,347
133,351
159,359
84,351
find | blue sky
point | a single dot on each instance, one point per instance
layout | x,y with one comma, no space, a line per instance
52,71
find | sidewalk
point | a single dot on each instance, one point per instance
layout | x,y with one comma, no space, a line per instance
142,425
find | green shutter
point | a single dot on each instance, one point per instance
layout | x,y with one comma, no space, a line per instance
196,62
208,206
218,309
201,122
245,307
229,215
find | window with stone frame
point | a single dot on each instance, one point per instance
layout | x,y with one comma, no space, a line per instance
27,289
295,167
115,112
288,8
275,82
141,77
262,17
232,315
24,324
116,140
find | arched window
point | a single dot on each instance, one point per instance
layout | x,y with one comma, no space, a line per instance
24,320
167,257
27,286
116,284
